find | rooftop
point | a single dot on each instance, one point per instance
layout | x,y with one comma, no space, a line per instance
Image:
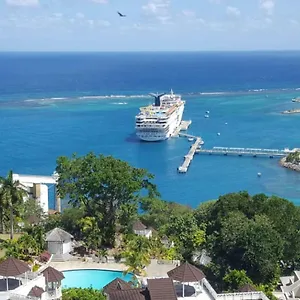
58,235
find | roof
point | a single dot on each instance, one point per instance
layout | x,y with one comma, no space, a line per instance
138,225
58,235
45,255
186,273
13,267
116,285
162,288
52,275
247,288
133,294
36,291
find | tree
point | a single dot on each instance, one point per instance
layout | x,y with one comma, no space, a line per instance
184,231
252,245
90,232
82,294
236,279
137,254
31,212
101,185
11,195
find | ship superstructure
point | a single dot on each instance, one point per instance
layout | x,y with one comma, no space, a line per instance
160,120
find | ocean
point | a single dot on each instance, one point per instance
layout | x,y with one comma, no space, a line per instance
54,104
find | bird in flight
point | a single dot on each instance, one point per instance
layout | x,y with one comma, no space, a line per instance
121,15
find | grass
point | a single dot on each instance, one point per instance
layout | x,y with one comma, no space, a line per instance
6,236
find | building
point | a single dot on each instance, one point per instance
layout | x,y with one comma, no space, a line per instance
37,187
140,229
289,287
59,244
19,283
185,282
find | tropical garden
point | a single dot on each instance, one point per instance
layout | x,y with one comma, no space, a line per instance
250,239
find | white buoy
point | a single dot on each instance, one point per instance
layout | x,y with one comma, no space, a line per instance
226,123
207,111
258,174
218,133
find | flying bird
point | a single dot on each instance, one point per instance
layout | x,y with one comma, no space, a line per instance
121,15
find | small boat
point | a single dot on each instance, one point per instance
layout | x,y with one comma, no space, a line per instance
202,143
207,112
190,139
258,174
218,133
206,116
226,123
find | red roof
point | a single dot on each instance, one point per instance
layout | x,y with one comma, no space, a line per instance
13,267
36,291
161,288
52,275
186,273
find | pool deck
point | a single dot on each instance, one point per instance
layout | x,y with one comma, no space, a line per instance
153,270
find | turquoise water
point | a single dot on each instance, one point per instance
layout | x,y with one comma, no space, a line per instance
57,104
96,279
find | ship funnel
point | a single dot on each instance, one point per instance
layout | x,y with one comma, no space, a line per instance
157,98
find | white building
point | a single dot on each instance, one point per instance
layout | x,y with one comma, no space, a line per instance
60,244
19,283
140,229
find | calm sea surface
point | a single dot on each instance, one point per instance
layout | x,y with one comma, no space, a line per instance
57,104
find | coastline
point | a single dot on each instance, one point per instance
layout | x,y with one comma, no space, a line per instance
291,111
288,165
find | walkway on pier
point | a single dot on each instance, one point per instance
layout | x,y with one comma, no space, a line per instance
246,151
189,157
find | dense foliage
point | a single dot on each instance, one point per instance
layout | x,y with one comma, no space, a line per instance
103,187
82,294
250,239
293,158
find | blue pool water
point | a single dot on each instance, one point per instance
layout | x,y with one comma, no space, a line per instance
96,279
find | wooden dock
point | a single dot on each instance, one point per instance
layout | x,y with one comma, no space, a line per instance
255,152
189,157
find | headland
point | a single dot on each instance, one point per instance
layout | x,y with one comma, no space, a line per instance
292,161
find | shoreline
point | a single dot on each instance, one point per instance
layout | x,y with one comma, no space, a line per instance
291,111
288,165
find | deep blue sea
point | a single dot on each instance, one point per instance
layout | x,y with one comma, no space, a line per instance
55,104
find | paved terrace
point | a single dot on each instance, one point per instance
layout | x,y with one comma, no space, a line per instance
153,270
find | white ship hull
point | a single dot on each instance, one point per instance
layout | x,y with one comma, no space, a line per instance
164,133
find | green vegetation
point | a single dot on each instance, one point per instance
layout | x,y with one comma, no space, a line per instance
82,294
250,239
103,187
11,198
293,158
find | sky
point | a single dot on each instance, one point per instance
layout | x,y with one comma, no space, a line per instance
149,25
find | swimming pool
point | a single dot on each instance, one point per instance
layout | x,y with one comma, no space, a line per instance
96,279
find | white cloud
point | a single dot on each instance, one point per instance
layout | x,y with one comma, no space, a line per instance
103,23
233,11
100,1
80,15
158,9
58,15
188,13
267,6
22,2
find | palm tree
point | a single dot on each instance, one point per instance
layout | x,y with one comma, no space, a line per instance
137,255
11,195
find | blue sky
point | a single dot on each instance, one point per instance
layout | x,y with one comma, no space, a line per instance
152,25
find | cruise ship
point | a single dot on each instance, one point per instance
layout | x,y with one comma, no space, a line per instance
160,120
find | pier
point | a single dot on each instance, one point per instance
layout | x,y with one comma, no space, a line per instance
183,126
255,152
189,157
